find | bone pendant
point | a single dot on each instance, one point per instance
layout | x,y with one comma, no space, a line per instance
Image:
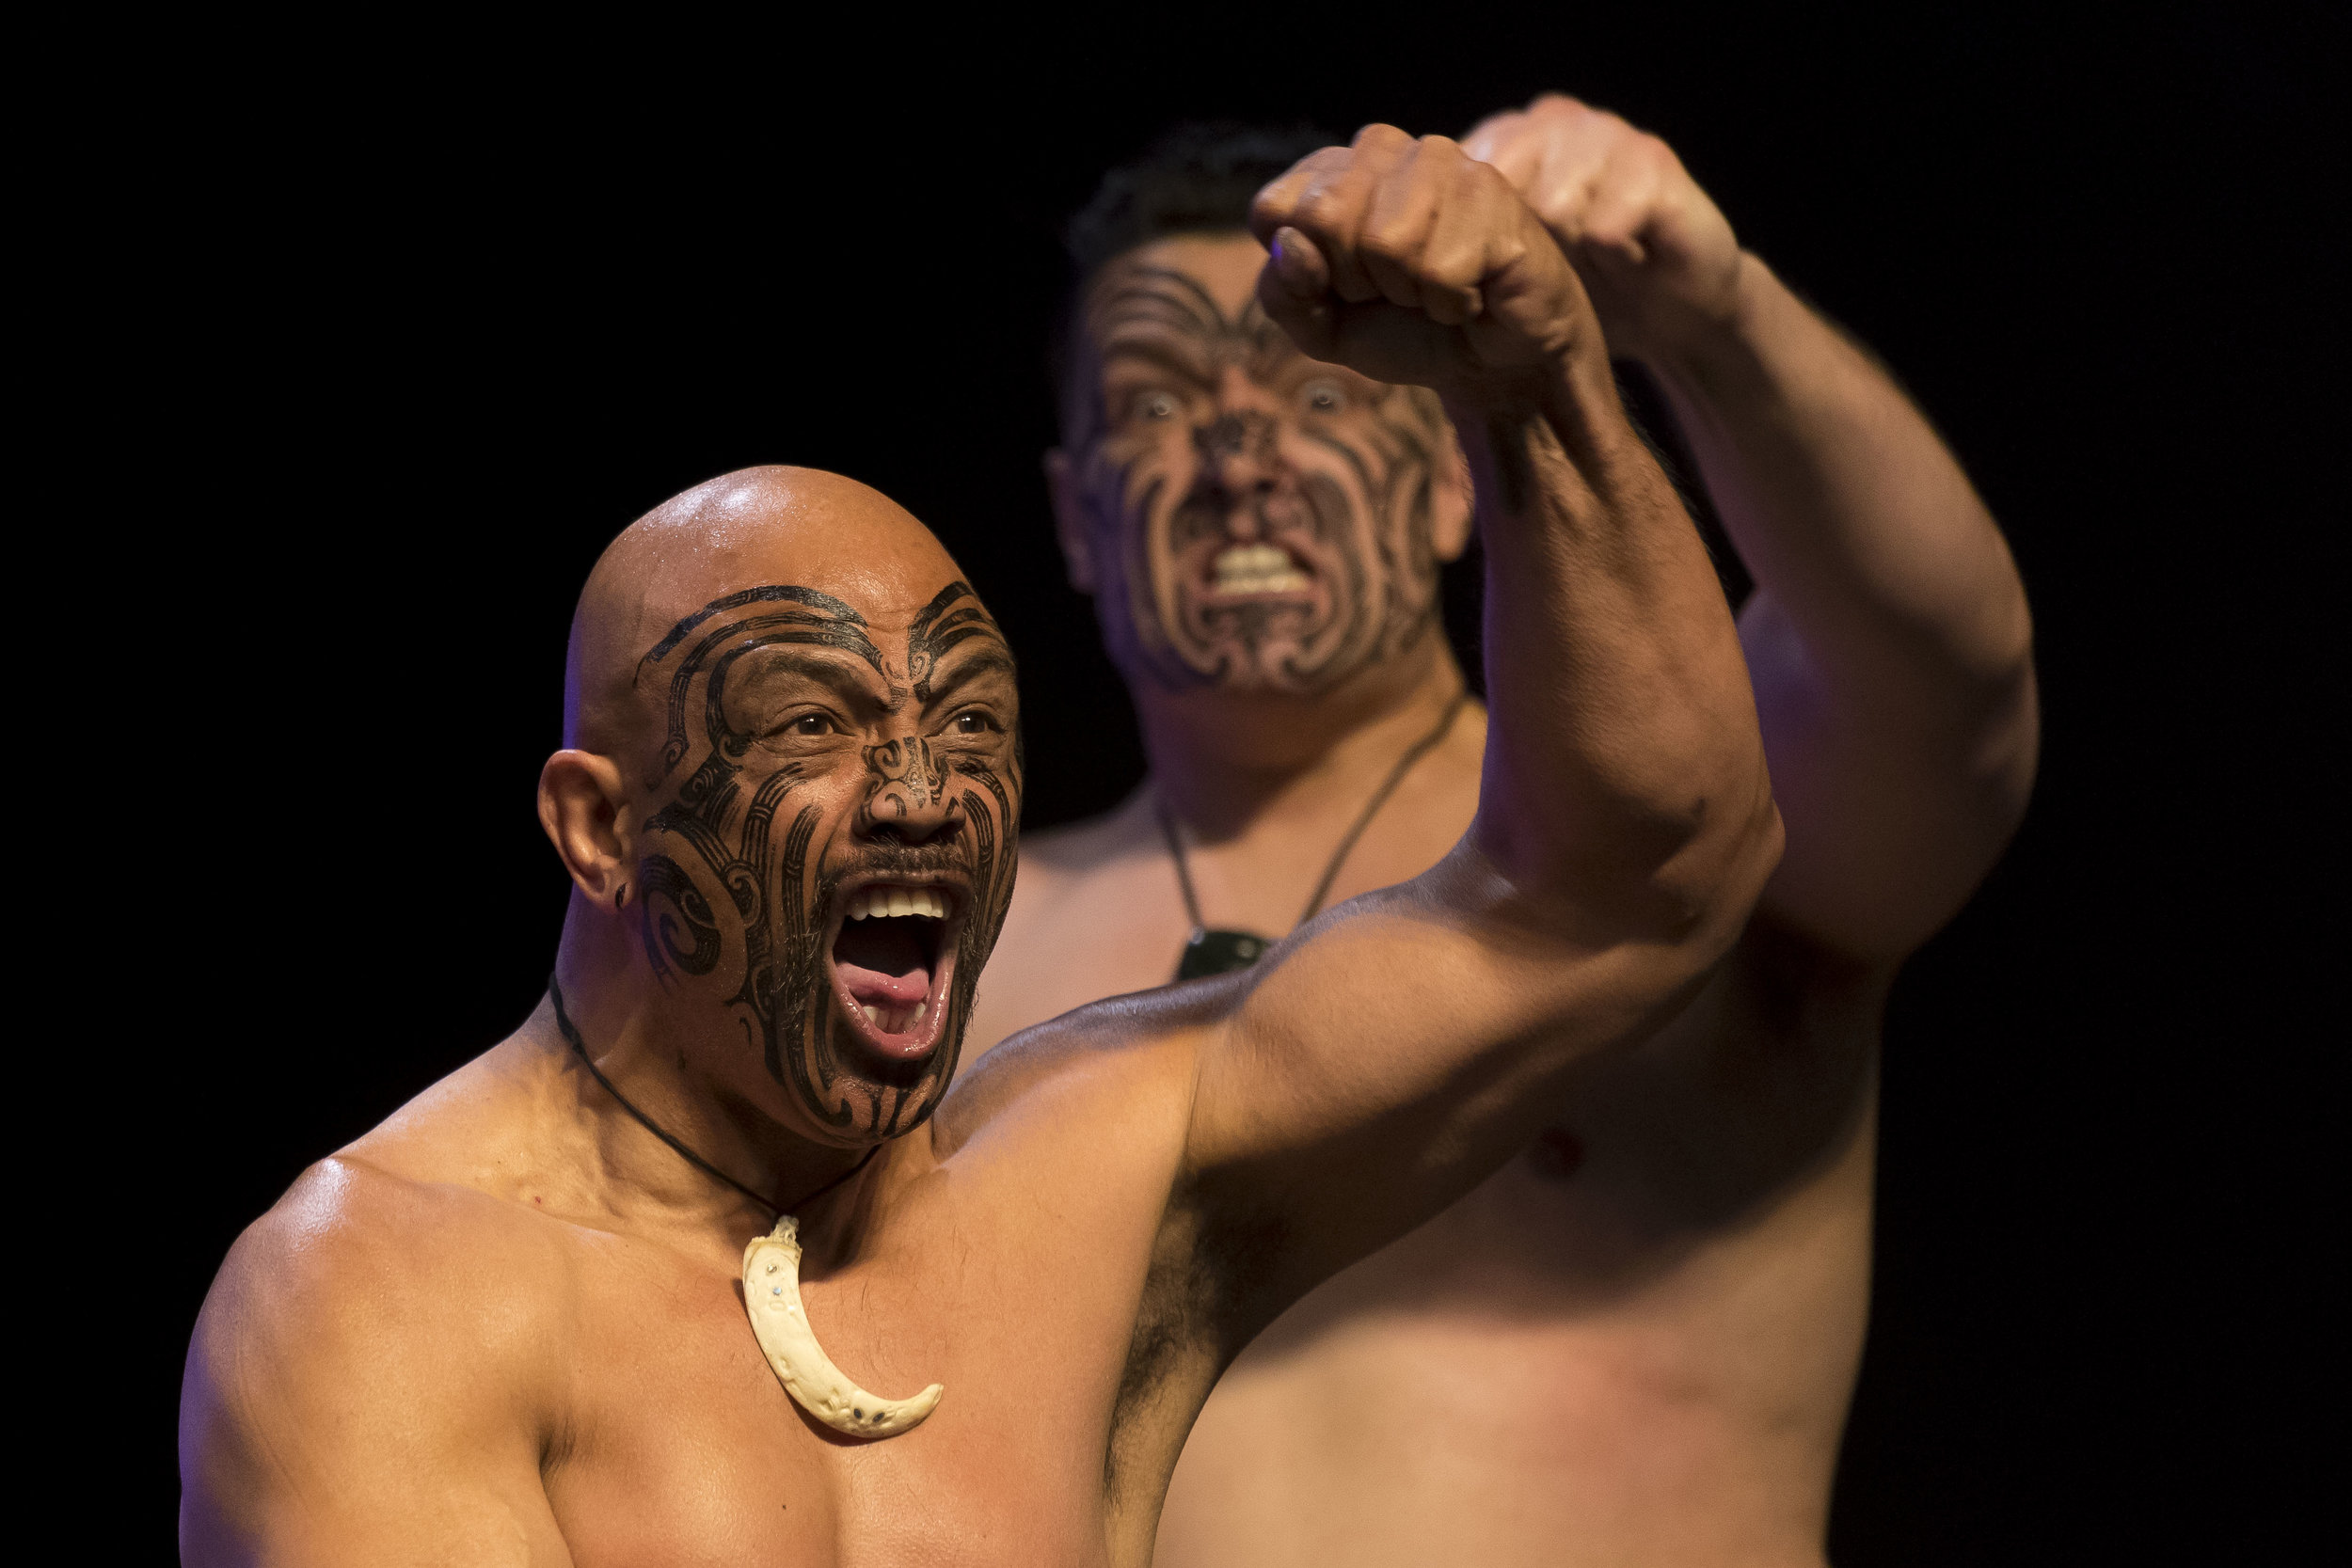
771,1292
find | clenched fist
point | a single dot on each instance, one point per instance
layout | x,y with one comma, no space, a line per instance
1654,252
1409,261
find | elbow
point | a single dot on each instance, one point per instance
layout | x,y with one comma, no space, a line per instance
1686,877
1712,883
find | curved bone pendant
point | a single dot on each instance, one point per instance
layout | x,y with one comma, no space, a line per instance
771,1293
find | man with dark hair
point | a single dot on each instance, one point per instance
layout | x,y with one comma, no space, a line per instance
1635,1343
509,1324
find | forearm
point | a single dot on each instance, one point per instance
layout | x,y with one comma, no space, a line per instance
1623,753
1850,510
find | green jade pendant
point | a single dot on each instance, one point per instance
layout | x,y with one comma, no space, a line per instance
1207,952
1219,953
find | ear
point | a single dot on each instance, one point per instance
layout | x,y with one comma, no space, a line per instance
1453,500
1069,523
580,801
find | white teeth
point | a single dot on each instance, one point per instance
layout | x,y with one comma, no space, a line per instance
922,1010
1257,569
873,1014
882,902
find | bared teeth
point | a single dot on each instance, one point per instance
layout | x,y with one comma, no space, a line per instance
868,903
894,1020
1257,569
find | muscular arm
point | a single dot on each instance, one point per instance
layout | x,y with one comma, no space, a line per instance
1888,638
1394,1052
1889,635
351,1397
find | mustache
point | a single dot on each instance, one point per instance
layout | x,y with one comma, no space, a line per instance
949,853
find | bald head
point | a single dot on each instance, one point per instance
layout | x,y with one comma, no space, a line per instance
755,528
790,793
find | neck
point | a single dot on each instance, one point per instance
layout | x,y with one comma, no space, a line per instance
630,1029
1223,760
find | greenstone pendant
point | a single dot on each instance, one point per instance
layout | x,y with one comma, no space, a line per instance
1219,953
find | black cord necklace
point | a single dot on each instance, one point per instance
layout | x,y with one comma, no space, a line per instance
1208,952
579,1049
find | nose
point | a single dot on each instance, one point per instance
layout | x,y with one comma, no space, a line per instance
1239,465
907,799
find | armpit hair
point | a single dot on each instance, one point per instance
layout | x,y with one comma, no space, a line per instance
1205,1295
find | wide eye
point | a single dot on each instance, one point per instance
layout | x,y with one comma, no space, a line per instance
1322,397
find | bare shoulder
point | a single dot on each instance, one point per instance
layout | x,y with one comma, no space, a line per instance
1095,912
1106,1069
404,1236
1076,859
1075,849
371,1329
361,1284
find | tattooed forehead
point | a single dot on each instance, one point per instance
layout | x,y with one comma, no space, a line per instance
1138,308
710,640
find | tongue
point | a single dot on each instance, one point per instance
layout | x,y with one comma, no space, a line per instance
884,961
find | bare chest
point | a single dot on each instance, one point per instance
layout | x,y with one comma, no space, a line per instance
676,1444
1634,1342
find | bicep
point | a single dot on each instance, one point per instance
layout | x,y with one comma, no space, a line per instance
1894,807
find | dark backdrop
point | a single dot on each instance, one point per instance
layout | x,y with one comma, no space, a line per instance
447,313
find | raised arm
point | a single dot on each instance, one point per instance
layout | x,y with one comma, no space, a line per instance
1395,1052
1888,634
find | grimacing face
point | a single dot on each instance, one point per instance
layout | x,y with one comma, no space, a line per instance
1256,520
833,849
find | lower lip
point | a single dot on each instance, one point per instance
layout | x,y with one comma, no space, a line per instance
923,1039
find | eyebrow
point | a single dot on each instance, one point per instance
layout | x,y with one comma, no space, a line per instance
1181,356
839,672
820,620
985,658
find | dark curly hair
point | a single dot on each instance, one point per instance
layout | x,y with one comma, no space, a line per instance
1191,179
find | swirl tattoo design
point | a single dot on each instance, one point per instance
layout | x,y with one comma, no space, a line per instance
747,857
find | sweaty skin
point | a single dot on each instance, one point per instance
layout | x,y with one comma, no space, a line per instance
1635,1343
507,1325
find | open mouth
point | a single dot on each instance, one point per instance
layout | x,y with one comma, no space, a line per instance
1242,570
893,954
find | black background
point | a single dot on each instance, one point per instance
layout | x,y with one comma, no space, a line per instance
444,312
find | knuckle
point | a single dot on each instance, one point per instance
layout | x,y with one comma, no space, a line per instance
1483,181
1390,242
1319,207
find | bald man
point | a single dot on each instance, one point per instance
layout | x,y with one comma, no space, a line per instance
1635,1343
509,1325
